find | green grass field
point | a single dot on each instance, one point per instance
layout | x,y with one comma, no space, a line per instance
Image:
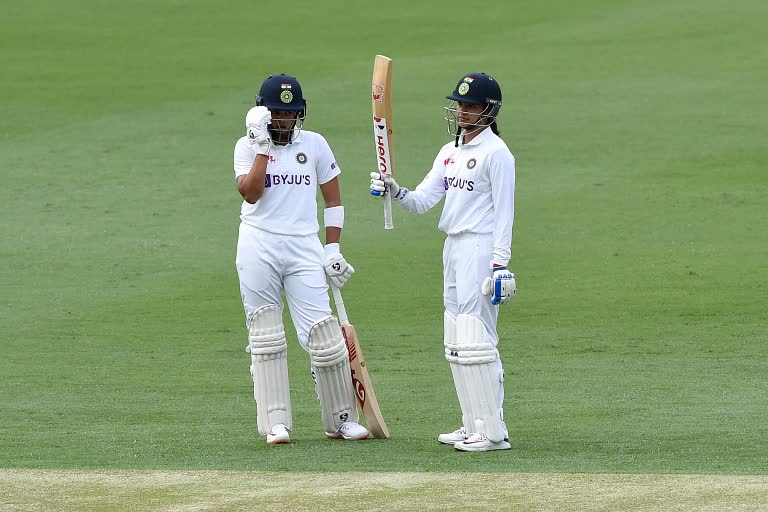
636,344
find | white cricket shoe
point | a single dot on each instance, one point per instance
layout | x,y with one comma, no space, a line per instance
454,437
479,443
349,430
278,434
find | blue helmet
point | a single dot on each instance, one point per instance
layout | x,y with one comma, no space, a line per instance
478,89
474,89
282,92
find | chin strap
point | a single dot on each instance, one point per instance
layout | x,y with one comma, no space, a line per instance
458,134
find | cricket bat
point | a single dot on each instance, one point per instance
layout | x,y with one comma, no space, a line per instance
361,381
382,124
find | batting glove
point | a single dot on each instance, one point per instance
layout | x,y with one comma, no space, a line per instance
382,184
256,121
336,266
501,286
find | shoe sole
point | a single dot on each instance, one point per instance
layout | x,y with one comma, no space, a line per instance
279,441
452,443
469,448
339,436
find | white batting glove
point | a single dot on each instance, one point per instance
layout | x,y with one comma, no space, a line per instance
256,121
382,184
501,286
336,266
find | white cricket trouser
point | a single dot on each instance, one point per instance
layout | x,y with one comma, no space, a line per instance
466,263
269,264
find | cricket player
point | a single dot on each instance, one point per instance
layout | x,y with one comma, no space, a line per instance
278,167
476,175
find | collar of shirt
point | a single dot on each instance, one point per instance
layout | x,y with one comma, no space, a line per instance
480,137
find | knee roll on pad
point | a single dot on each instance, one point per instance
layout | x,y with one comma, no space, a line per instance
474,364
269,359
452,355
333,375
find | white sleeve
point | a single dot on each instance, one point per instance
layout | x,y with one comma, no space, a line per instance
502,175
327,168
244,157
428,193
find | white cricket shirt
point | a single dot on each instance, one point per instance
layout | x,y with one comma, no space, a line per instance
478,182
288,205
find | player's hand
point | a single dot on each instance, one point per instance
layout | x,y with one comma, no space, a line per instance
382,184
256,121
336,266
501,286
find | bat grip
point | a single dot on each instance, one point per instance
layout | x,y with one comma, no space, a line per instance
388,211
340,309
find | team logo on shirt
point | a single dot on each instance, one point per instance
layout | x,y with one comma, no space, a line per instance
301,158
472,163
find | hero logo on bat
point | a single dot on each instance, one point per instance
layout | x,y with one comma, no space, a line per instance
381,149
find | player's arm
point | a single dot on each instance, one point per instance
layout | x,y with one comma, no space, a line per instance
251,185
501,285
502,178
336,266
332,197
427,194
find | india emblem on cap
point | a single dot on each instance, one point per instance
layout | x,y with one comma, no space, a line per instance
464,88
286,96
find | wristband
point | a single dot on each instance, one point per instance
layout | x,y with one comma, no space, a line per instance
334,217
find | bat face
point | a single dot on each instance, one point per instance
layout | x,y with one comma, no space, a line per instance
381,100
350,337
363,386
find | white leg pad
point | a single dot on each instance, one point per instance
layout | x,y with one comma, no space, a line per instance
452,355
269,357
333,375
475,366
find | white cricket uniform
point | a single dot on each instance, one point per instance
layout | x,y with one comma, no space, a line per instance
478,182
278,249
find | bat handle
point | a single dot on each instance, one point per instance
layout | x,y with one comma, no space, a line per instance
388,211
340,309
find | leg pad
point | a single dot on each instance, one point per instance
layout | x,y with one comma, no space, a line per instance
475,366
333,376
269,359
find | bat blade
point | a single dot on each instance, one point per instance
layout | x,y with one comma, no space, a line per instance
363,386
381,101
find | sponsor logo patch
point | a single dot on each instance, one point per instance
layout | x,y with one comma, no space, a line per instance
460,184
271,180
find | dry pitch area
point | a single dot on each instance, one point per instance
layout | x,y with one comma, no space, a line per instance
35,490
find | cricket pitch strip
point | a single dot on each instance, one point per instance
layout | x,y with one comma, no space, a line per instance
75,490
